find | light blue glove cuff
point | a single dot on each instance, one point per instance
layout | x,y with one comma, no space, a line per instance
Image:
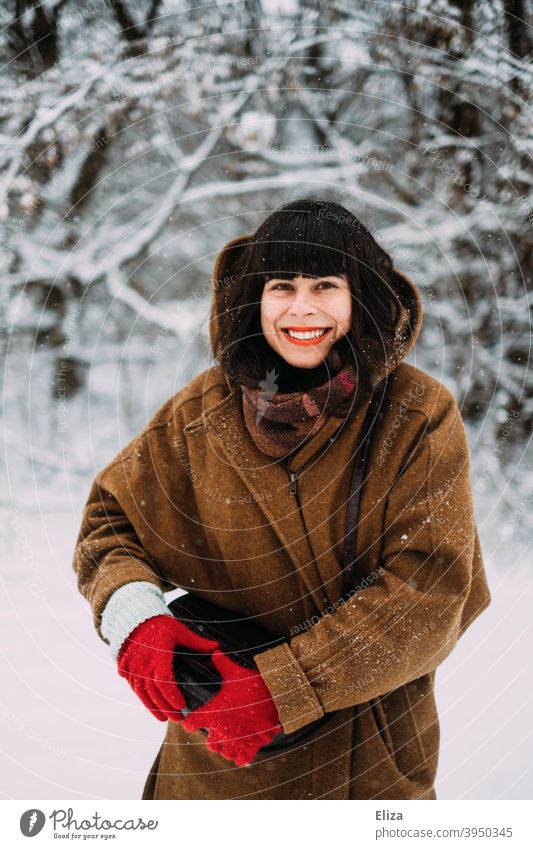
127,607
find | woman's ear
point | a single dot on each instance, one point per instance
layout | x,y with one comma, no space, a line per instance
228,264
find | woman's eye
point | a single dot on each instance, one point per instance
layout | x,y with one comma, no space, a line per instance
323,283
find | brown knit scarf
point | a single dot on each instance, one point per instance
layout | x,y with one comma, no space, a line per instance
279,422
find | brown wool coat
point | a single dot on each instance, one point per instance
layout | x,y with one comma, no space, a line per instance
192,503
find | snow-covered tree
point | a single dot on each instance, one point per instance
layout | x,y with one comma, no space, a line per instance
137,138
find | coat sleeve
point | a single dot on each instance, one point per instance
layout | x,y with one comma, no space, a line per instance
108,553
407,621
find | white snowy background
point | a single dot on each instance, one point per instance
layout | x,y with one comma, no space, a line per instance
135,139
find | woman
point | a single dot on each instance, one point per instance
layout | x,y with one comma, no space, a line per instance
236,491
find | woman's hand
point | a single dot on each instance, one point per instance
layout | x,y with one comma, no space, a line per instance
145,660
241,718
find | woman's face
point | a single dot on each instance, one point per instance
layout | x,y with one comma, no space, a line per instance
292,311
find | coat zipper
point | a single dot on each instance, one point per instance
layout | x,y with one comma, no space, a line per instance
293,483
293,476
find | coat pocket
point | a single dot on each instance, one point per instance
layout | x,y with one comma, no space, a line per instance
401,733
376,772
381,725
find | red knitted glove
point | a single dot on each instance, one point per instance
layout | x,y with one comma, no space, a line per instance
241,718
145,661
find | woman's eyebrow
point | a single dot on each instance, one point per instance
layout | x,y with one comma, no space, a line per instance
315,279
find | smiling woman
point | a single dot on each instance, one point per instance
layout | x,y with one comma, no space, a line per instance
309,320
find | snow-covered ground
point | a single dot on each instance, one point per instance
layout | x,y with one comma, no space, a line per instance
72,728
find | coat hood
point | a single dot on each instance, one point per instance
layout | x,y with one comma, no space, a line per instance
230,262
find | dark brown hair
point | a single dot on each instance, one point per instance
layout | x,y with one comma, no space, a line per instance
315,238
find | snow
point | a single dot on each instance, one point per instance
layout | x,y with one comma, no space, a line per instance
253,129
275,7
71,727
483,691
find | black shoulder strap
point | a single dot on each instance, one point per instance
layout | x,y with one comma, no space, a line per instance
352,510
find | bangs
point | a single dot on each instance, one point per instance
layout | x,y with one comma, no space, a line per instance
298,242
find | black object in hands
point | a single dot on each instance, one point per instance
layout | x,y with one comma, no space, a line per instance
196,677
240,639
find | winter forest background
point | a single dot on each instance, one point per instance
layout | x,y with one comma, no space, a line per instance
135,140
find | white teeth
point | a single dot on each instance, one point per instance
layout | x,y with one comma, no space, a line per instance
308,334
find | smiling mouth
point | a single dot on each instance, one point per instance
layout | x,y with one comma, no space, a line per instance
305,335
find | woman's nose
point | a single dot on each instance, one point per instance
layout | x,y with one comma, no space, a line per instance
301,306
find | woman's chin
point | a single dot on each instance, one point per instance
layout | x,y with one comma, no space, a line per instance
301,360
